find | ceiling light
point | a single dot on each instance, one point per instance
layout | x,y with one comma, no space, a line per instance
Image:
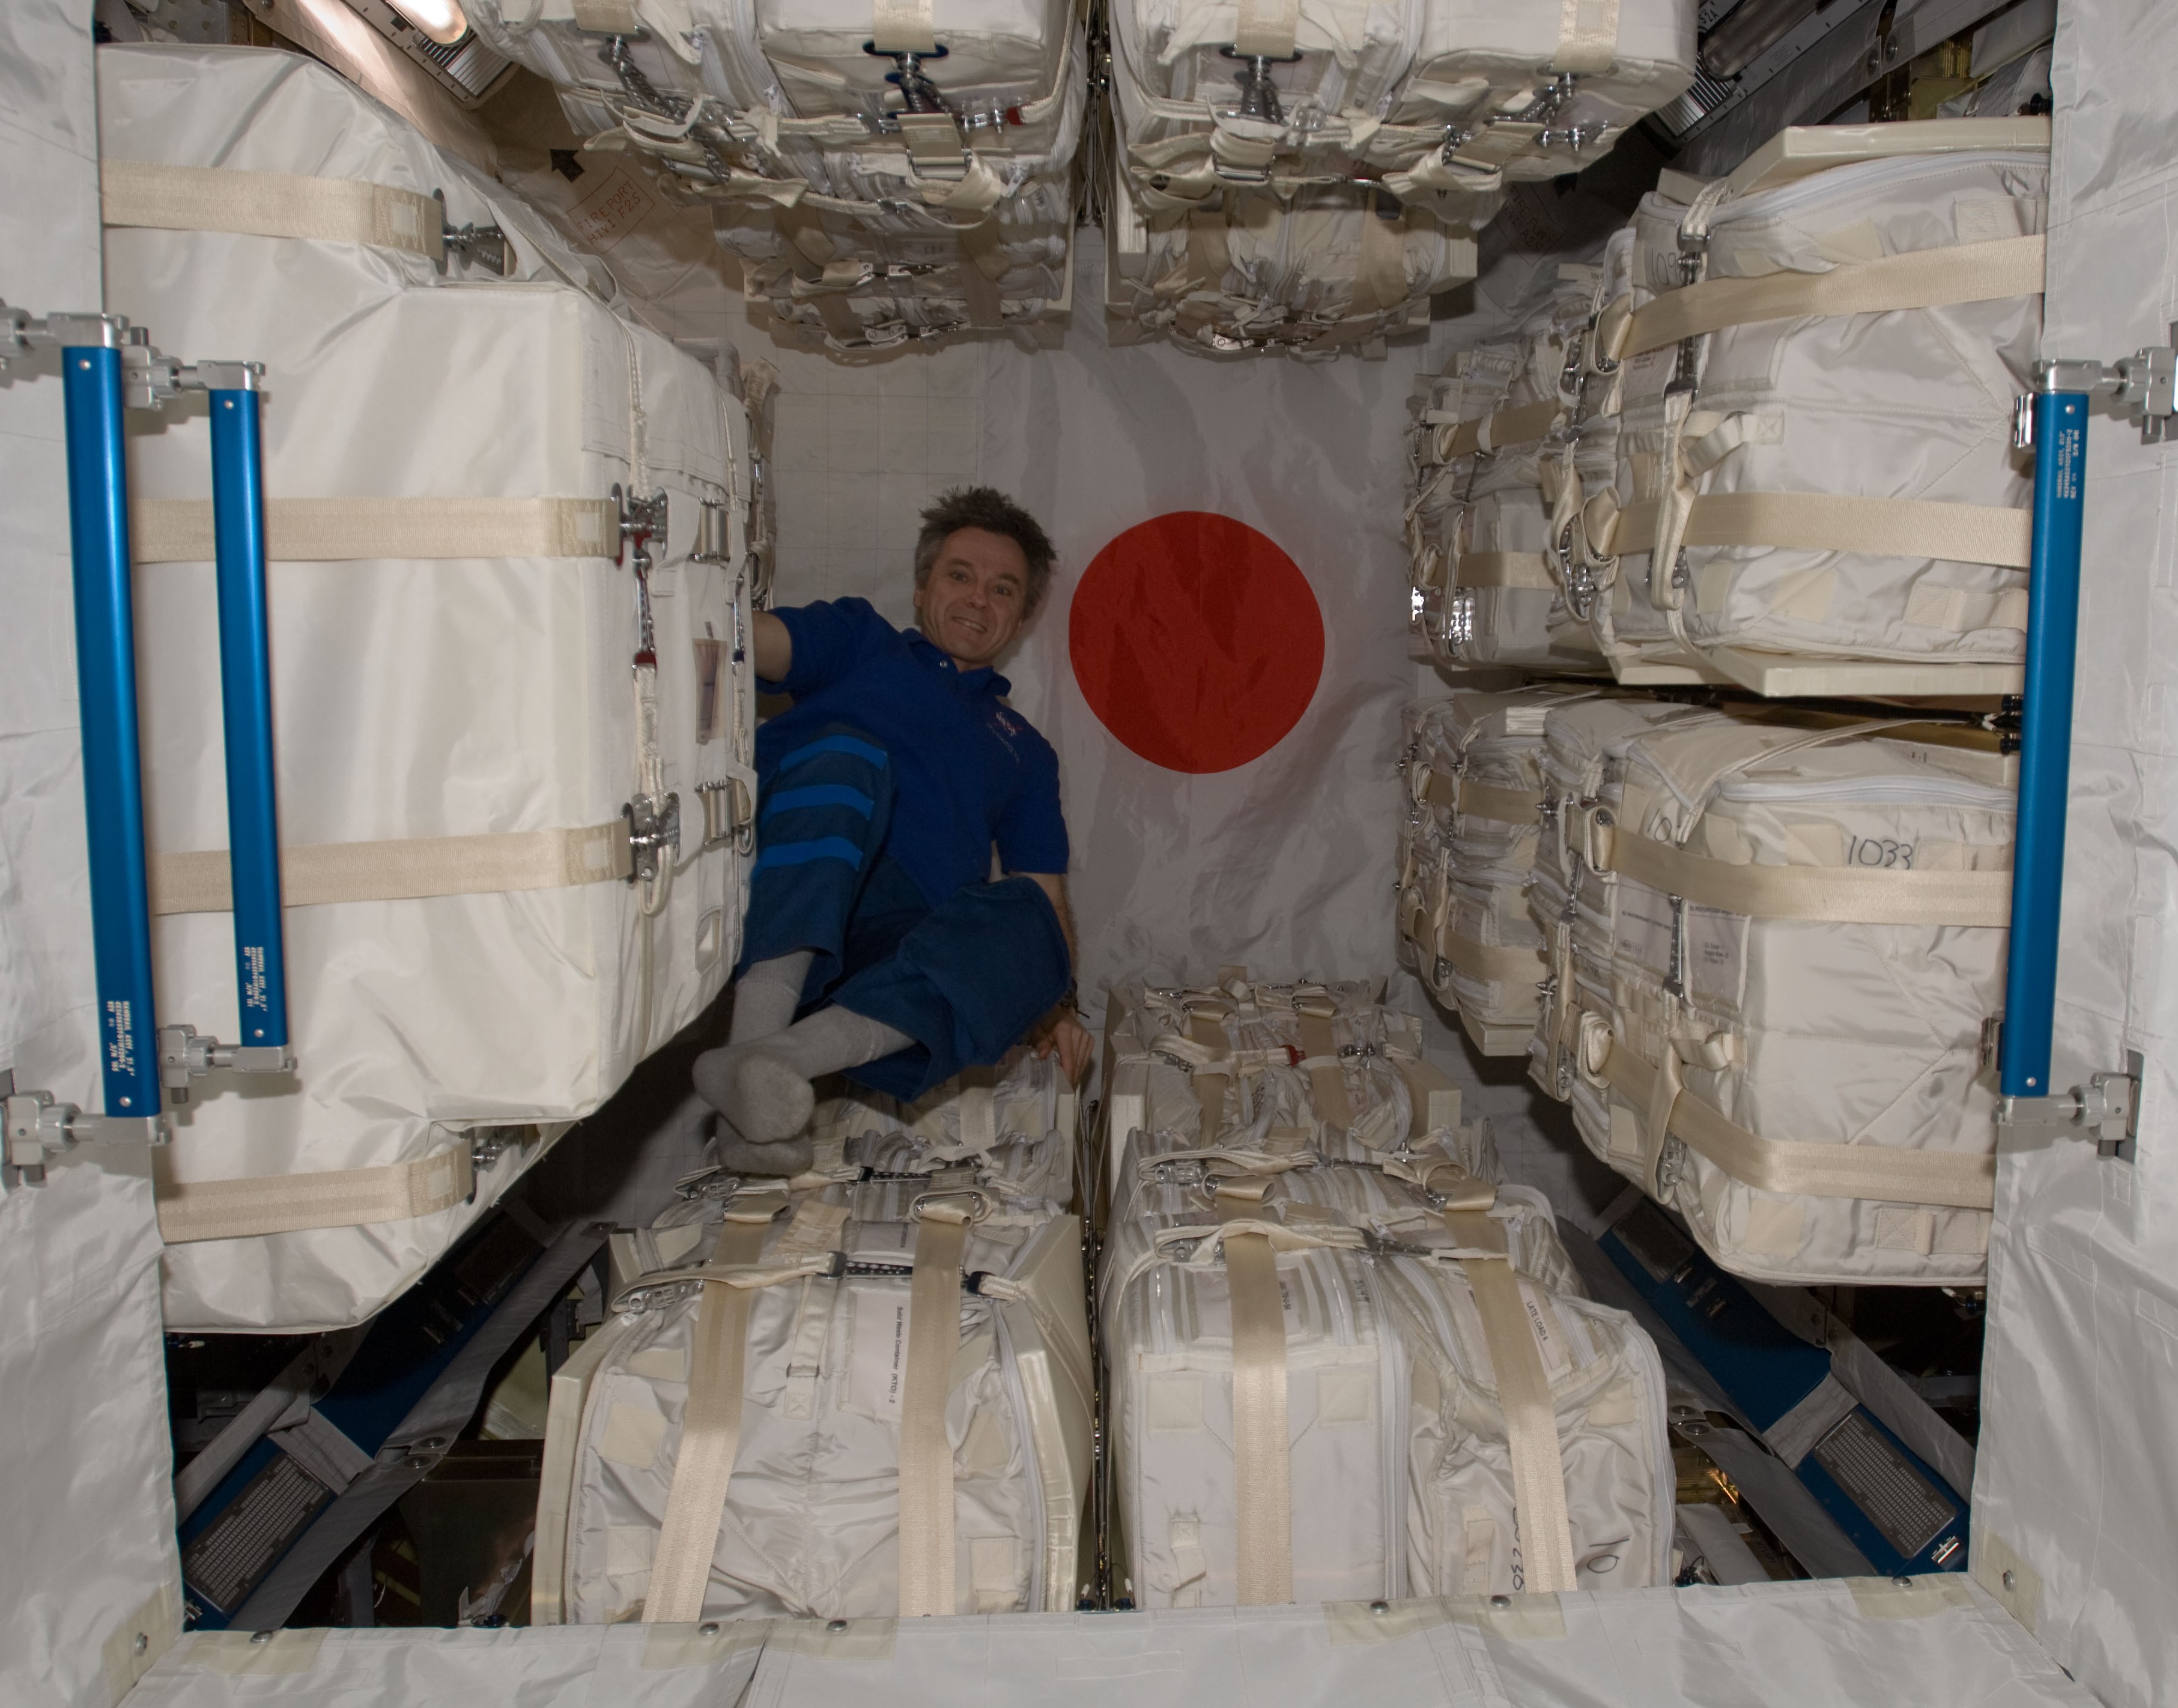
442,20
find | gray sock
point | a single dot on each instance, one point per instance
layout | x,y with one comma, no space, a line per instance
766,996
762,1088
737,1156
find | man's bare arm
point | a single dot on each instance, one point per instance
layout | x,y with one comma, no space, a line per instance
1061,1030
1054,884
774,651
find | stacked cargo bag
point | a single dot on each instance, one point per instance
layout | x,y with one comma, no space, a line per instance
867,1400
1333,1380
1806,954
513,772
1815,365
1475,791
1479,522
884,177
1572,899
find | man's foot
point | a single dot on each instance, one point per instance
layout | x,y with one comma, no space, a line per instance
739,1155
764,1099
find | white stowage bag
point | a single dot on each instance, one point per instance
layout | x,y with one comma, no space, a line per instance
1475,789
1304,1402
1807,950
1478,515
1425,94
1808,461
812,1515
863,233
468,717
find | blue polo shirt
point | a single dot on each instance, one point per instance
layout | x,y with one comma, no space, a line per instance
969,771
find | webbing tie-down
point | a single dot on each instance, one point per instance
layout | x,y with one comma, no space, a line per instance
313,874
1919,279
710,1428
1835,521
1954,1179
1459,794
1326,1080
1262,1464
271,204
1494,432
1524,1386
348,530
1854,895
256,1205
926,1451
1529,570
1210,1083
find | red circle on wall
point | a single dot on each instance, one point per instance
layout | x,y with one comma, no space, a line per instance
1196,641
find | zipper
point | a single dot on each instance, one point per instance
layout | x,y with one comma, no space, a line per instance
1933,791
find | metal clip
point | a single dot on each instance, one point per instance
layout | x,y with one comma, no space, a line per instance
34,1127
475,245
2144,385
918,93
654,831
641,521
184,1055
713,536
2107,1110
713,1183
1258,96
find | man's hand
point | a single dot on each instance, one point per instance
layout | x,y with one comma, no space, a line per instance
1062,1030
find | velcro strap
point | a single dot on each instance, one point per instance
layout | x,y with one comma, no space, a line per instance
1518,426
332,530
904,26
1919,279
312,874
1523,569
1833,521
1262,1464
1588,43
1266,27
1457,794
926,1451
1856,895
257,1205
271,204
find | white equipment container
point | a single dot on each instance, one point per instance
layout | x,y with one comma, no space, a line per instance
754,1436
1335,1379
1475,794
1479,512
1813,365
468,746
896,176
1806,952
1430,93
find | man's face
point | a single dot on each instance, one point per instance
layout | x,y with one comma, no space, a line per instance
976,598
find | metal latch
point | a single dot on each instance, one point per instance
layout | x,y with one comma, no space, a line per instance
1258,96
34,1128
185,1054
2107,1110
2143,384
712,532
642,520
654,831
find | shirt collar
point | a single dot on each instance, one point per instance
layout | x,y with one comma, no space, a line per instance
983,680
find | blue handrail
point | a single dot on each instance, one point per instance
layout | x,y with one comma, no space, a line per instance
2053,623
253,825
113,761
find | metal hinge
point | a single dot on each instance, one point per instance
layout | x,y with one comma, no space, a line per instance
2106,1109
186,1055
2143,384
34,1128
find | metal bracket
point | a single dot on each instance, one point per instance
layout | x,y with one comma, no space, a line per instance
473,245
916,91
712,532
1258,96
653,829
34,1128
2144,385
641,521
2106,1111
184,1055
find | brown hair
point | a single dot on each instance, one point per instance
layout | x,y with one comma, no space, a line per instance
989,509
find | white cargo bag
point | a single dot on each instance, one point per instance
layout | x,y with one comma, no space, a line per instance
1320,1393
1815,396
1428,94
1806,954
1478,515
460,718
1475,794
780,1430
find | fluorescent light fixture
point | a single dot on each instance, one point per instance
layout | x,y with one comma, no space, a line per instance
442,20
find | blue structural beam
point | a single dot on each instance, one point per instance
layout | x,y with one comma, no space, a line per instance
2053,624
253,825
112,762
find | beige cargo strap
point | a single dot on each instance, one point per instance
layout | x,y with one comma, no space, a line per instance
257,1205
1833,521
314,874
1211,1081
1524,1385
1493,432
1919,279
1493,963
1846,894
979,1113
1320,1056
904,26
1494,569
271,204
926,1450
1266,27
1456,794
1262,1464
335,530
710,1428
1588,37
1435,1098
1958,1179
